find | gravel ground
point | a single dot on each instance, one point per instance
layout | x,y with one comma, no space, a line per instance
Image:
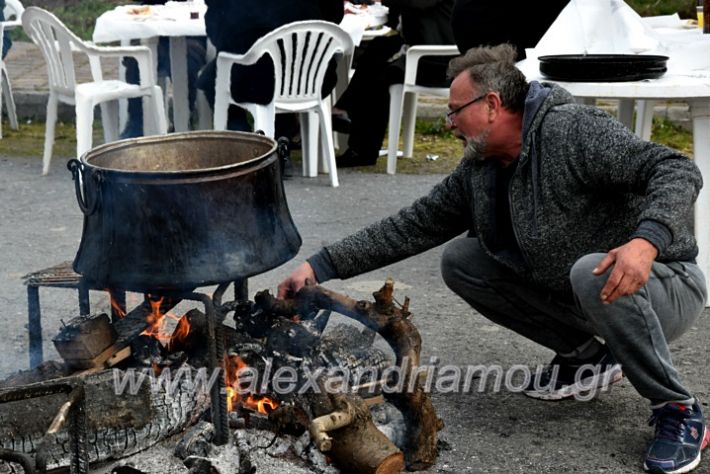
488,431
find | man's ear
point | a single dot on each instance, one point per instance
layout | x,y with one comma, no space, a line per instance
494,105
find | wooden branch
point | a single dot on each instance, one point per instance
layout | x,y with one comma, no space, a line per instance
395,326
354,442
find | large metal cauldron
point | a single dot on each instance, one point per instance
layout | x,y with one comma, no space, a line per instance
180,211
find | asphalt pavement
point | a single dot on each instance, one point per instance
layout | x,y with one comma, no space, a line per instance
492,430
486,431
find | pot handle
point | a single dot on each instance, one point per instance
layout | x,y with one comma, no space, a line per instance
78,170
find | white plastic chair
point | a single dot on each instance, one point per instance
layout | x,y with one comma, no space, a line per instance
403,100
12,13
57,44
300,52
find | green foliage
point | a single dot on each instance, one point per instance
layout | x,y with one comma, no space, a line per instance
79,16
685,8
672,135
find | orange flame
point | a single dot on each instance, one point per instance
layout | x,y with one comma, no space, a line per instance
118,311
180,333
156,324
258,403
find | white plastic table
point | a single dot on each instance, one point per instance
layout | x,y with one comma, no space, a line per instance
171,20
174,21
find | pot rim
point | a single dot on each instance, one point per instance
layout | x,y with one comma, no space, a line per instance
180,137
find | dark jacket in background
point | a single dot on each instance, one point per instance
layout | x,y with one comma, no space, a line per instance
518,22
235,25
6,41
426,22
367,97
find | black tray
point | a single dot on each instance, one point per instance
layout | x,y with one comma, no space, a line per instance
602,67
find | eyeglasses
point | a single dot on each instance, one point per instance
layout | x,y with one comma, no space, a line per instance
452,114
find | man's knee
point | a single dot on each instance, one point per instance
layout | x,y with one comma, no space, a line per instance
584,282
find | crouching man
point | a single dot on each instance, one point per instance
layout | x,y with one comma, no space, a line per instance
578,232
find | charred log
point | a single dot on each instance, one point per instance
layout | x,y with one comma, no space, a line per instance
139,417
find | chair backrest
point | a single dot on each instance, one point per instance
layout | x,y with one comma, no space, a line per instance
56,42
300,52
13,12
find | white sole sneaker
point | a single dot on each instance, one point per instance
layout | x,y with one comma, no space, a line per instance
585,389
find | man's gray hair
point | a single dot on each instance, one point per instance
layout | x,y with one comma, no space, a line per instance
492,69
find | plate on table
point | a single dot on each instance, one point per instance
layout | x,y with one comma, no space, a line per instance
602,67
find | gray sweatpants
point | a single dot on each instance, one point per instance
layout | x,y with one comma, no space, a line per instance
636,328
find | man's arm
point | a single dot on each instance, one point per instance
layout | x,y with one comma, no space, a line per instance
430,221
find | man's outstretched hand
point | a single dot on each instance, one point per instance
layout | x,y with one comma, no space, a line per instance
632,266
296,280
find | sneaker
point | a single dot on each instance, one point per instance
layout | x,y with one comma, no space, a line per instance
568,377
680,437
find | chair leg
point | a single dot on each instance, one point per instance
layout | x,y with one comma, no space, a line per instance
264,118
9,100
309,143
222,100
84,110
410,119
160,121
326,137
626,112
204,113
109,120
49,131
396,92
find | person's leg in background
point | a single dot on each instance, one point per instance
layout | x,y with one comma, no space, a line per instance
6,40
366,101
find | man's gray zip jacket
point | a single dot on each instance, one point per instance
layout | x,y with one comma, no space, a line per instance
583,184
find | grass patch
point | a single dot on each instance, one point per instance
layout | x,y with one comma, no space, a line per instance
28,140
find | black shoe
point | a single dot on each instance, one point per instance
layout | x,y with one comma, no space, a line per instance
131,131
351,158
580,378
341,123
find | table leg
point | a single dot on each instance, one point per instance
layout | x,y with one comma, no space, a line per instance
626,112
700,113
644,118
178,71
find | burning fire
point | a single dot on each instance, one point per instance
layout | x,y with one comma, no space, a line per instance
158,329
258,403
117,310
